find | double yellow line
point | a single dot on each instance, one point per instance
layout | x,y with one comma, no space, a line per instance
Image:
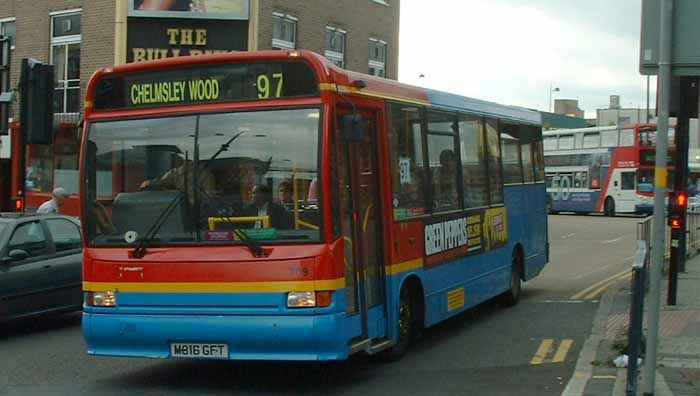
595,290
547,346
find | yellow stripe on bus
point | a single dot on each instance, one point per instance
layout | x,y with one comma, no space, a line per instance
403,267
216,287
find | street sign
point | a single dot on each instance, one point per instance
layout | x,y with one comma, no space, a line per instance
686,29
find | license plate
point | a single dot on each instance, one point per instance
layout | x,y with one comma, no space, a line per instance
204,351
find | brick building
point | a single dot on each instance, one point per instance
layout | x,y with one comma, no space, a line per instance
80,36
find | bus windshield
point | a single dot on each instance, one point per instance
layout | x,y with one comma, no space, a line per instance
647,136
204,178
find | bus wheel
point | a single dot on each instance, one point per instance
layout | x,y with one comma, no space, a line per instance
511,297
406,326
609,207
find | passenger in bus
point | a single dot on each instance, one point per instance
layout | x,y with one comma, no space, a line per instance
262,205
446,179
182,178
55,203
285,194
312,196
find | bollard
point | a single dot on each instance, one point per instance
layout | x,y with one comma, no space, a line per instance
636,313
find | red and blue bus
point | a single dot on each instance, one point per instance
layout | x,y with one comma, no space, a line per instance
273,206
608,170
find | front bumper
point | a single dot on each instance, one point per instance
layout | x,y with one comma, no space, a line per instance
249,337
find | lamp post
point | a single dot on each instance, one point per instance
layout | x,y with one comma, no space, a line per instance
551,90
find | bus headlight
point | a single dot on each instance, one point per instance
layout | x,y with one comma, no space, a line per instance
308,299
102,299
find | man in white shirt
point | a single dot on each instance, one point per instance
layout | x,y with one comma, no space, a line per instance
52,205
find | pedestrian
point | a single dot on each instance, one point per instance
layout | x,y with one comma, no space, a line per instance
52,205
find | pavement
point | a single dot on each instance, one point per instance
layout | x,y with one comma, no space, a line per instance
678,352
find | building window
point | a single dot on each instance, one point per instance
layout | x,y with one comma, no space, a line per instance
335,45
284,31
377,57
65,56
8,29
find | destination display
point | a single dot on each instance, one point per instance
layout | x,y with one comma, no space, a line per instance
206,84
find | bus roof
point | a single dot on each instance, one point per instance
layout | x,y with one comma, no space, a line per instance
333,78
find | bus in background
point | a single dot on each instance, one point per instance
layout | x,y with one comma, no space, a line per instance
47,166
398,208
605,170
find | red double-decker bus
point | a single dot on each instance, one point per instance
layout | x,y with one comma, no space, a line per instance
271,205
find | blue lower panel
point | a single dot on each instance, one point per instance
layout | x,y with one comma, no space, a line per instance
575,202
313,337
644,208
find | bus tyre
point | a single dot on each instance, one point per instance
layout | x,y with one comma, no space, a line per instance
406,326
609,207
511,297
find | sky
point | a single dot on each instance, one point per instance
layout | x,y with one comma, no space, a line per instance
512,51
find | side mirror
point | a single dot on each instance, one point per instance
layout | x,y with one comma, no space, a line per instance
17,255
353,128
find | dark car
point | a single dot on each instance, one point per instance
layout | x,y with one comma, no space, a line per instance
40,265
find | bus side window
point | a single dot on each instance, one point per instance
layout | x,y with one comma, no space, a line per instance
407,165
472,153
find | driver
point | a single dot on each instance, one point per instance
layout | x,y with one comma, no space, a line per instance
182,178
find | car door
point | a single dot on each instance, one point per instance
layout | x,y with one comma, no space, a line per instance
66,263
24,275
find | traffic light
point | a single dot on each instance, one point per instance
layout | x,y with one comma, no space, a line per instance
679,204
36,101
674,221
681,200
6,94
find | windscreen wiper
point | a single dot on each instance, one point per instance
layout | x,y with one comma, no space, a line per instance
254,247
140,249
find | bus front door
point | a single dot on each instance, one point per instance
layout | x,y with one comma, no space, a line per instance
361,231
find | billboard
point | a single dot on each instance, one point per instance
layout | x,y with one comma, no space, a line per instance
158,38
191,9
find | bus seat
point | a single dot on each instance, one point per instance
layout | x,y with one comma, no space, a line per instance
137,211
